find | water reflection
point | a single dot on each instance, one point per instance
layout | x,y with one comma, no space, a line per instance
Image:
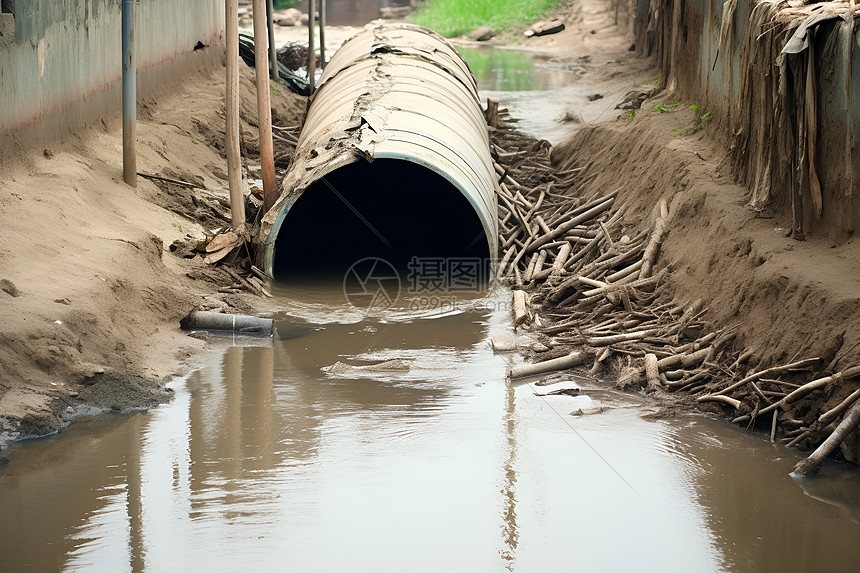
267,460
510,529
515,70
539,92
747,493
65,499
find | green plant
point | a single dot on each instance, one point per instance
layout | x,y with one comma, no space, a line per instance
176,226
279,4
456,17
696,126
656,81
666,107
632,114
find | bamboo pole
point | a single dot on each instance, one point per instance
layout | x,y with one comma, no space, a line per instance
234,166
264,107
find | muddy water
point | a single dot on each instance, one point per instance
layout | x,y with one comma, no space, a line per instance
266,460
548,97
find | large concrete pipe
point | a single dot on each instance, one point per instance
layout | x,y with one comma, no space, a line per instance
393,162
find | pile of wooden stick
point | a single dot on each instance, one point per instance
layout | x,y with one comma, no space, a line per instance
591,279
575,254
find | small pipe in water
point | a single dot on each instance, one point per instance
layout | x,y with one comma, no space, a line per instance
218,321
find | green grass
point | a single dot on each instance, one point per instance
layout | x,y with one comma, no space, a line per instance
666,107
456,17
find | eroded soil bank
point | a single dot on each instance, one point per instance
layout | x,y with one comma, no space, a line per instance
732,247
785,300
92,287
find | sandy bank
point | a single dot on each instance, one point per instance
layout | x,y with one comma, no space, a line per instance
91,292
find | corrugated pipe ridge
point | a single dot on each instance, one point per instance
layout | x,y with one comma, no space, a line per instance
394,127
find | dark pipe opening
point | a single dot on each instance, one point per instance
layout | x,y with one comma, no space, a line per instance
393,210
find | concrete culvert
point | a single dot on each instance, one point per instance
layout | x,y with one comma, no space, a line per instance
389,209
393,162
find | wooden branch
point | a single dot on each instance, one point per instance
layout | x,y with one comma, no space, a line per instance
769,372
650,255
683,360
852,372
652,371
562,363
501,270
607,340
736,404
834,413
603,288
812,464
169,180
564,227
521,311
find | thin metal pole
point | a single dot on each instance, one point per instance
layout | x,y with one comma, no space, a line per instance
322,34
312,61
234,166
264,108
273,50
129,95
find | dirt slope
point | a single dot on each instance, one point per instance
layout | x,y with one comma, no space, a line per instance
90,294
88,285
790,298
793,297
787,299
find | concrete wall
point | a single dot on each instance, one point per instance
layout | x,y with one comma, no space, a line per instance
759,118
61,67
